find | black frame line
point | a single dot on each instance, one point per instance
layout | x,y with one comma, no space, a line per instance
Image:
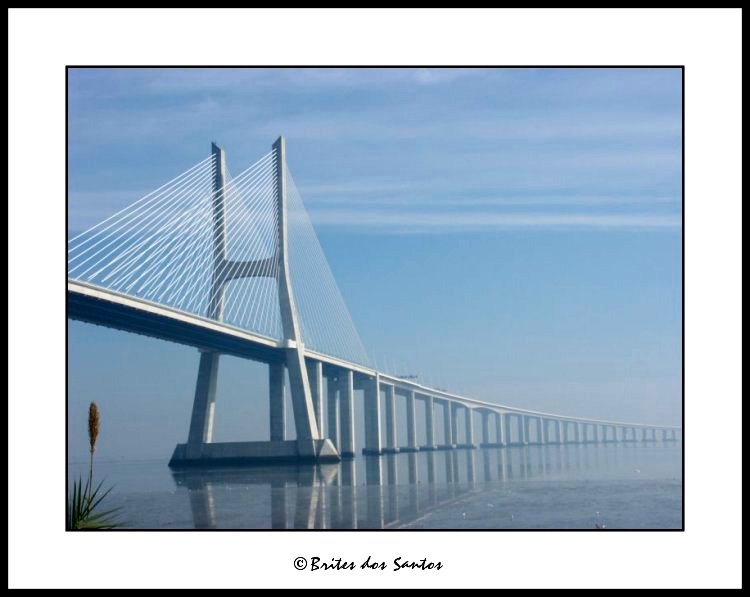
390,66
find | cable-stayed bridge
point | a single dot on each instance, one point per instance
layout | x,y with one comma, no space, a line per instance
232,265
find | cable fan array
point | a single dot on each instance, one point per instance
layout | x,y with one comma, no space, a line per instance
162,249
327,326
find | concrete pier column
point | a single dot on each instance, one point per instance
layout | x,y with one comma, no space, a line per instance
448,424
469,424
526,429
454,424
411,422
333,411
558,431
566,432
391,444
277,402
595,430
577,431
507,437
521,427
540,436
429,409
346,421
315,373
202,418
485,428
372,416
545,430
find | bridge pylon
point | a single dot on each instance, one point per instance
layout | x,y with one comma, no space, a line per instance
309,444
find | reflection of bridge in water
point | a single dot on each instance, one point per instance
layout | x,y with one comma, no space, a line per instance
386,492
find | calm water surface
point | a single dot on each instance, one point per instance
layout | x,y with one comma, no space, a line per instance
623,486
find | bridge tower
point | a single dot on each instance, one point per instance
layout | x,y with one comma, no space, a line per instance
309,443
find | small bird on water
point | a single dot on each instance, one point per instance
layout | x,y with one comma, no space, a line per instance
598,524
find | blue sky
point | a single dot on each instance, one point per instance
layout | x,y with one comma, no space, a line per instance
513,234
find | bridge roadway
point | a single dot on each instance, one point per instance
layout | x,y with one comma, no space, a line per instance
501,424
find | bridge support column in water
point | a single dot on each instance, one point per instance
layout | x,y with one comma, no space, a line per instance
202,419
507,437
540,436
372,417
332,405
526,429
346,398
499,428
469,425
411,423
522,438
447,426
485,429
454,408
391,445
315,372
429,412
277,402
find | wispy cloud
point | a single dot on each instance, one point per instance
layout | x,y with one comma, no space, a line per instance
433,222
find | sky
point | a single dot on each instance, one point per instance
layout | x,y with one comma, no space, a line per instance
513,235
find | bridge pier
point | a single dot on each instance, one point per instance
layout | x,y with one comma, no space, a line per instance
539,434
332,404
447,426
315,373
469,424
454,407
510,423
485,429
429,409
277,402
372,417
526,429
391,445
521,428
204,403
411,423
346,421
500,429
